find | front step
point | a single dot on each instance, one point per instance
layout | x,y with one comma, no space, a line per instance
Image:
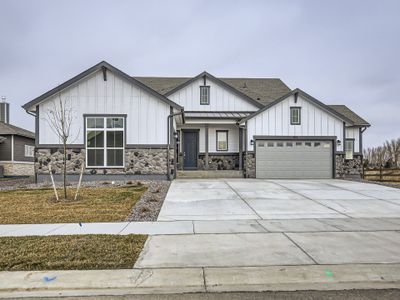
209,174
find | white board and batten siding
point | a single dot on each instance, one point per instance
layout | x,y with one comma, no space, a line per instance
146,115
221,99
233,137
275,121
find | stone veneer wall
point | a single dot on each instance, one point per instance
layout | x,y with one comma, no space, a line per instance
137,162
348,168
250,165
18,168
215,162
219,162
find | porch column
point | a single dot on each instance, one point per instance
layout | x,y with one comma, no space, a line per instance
240,148
206,146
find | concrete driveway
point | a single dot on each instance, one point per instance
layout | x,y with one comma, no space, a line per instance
259,223
238,199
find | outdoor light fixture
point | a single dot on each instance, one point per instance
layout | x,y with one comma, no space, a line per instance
175,135
339,142
252,142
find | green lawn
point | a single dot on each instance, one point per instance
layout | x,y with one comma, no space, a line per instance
108,204
72,252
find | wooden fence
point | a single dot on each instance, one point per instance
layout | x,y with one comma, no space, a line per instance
383,175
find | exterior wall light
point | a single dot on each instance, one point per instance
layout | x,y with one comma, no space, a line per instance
338,142
252,142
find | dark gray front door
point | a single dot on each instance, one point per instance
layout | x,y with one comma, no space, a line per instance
190,148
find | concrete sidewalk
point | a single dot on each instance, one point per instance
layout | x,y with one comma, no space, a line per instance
195,280
204,227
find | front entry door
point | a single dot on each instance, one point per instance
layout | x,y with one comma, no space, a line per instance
190,148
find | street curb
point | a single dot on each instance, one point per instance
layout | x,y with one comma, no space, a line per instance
198,280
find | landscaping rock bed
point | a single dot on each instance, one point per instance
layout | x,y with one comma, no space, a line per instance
149,205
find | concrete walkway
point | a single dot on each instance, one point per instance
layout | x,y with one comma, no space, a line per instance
205,227
194,280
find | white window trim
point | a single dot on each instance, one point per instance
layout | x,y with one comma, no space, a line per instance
352,149
105,148
227,139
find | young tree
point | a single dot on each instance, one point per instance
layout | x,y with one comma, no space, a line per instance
60,119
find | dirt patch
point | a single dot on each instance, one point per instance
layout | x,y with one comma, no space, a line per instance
389,184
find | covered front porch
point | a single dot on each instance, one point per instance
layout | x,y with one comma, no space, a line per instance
211,142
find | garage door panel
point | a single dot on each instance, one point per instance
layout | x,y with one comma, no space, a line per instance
294,159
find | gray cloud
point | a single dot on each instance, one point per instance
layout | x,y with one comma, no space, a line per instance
343,52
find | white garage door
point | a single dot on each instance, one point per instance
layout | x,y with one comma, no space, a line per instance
293,159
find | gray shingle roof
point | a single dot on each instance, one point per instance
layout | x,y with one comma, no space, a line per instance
348,113
11,129
263,90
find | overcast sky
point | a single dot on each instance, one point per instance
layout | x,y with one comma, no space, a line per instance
341,52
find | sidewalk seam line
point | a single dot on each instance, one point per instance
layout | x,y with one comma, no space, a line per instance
290,239
254,211
124,228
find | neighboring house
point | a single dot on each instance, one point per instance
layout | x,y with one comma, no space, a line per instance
16,146
143,126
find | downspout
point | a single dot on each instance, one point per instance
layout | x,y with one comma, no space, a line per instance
169,125
36,115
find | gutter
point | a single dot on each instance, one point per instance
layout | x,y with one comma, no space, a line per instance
169,130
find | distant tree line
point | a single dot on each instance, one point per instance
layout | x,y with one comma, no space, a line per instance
385,156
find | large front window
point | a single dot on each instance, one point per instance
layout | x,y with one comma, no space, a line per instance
105,141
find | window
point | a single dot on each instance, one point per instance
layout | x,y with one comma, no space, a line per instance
295,115
279,144
222,140
349,149
105,141
270,144
299,144
289,144
29,151
204,95
261,144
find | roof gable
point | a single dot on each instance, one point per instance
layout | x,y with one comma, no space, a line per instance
218,81
263,90
105,66
306,96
